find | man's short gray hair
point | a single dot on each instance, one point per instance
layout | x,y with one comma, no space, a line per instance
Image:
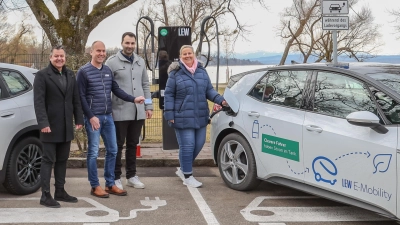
57,47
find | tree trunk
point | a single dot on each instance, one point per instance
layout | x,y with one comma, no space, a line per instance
75,23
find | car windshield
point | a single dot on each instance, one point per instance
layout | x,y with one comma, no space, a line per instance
391,80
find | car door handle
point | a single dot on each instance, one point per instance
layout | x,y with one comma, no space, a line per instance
253,113
8,114
313,128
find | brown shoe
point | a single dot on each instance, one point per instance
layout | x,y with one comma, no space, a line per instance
115,191
99,192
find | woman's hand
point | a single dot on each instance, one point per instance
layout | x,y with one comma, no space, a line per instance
224,103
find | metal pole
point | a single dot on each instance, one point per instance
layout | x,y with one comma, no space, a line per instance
334,39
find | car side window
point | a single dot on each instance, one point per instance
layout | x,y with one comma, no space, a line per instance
14,82
338,95
282,88
258,90
389,106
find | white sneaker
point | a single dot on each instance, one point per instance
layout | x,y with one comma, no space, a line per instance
134,182
179,173
118,183
192,182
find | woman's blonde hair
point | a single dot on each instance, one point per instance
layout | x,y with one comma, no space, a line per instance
185,46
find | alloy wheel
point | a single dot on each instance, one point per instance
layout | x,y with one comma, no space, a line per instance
29,161
234,162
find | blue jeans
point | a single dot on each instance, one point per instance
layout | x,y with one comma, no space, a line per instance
190,141
107,132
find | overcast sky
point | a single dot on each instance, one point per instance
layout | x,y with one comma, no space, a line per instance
263,23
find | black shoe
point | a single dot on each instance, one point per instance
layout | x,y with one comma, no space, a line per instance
61,195
48,201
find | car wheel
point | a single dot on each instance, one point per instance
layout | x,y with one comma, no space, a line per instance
23,168
236,163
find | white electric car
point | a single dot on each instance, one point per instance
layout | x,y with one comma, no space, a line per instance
20,147
329,131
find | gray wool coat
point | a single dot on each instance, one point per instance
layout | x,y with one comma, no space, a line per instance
133,79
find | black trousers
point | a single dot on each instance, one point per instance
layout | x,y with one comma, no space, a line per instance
130,131
57,154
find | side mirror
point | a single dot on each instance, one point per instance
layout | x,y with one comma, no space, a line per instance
366,119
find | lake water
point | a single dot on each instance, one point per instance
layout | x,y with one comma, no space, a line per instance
212,72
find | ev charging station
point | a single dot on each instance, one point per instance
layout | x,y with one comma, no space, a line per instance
170,40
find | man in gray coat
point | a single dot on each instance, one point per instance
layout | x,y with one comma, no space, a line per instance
130,73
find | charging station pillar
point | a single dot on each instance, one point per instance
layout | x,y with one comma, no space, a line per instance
170,40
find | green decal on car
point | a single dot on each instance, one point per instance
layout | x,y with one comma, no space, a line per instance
280,147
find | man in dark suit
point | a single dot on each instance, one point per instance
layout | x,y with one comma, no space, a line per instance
57,102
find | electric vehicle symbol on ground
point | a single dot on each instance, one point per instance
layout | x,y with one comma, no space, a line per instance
323,169
92,212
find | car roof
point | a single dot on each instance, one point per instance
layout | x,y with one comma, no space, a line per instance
23,69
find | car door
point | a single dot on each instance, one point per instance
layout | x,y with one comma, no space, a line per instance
351,160
10,118
274,120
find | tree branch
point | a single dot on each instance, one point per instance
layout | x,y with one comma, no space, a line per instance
101,12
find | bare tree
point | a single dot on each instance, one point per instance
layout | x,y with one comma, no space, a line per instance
395,13
74,22
301,30
192,12
6,30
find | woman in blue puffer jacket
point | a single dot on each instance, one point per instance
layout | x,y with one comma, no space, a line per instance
186,109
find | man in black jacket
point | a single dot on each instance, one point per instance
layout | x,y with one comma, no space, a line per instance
57,102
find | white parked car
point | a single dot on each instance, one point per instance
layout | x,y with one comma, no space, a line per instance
20,147
329,131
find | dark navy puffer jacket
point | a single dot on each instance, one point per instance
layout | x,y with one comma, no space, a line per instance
185,97
95,87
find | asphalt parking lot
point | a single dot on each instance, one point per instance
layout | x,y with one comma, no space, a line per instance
166,201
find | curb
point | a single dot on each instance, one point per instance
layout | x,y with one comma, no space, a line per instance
81,162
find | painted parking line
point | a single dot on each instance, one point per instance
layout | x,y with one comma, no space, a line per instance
272,224
305,214
96,224
203,207
71,214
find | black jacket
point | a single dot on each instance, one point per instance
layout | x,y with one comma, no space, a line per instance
55,107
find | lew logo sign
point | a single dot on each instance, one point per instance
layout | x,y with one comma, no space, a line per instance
184,31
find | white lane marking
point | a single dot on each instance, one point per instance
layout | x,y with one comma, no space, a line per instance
204,208
201,203
70,214
271,223
96,224
305,214
58,215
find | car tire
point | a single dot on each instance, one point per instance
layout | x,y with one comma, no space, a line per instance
236,163
23,168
